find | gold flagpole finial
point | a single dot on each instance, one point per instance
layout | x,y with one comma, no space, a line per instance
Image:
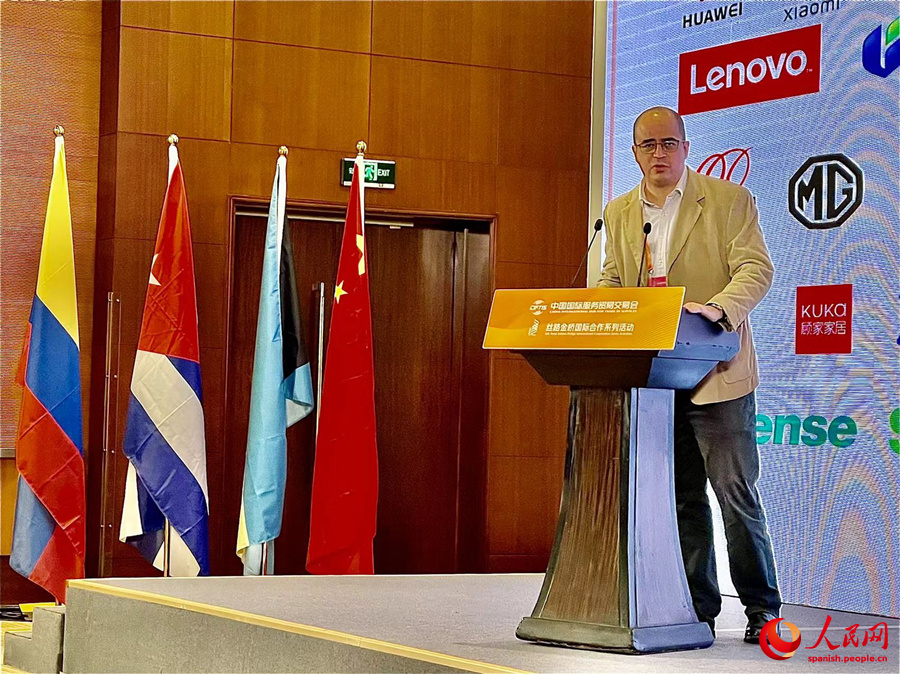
58,130
282,151
361,147
173,139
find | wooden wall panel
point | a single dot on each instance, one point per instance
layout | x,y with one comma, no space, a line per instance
485,106
312,175
170,82
546,121
551,37
300,97
206,180
548,37
109,69
524,275
542,215
141,181
320,23
211,275
199,17
445,186
434,110
70,17
106,186
523,503
528,417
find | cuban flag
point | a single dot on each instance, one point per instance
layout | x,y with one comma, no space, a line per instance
164,435
49,530
281,390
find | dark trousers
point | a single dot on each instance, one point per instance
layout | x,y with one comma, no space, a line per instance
718,442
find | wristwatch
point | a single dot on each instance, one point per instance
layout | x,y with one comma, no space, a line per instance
724,322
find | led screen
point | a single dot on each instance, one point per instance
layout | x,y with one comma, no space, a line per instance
800,103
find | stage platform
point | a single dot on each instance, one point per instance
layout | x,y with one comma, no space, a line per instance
386,624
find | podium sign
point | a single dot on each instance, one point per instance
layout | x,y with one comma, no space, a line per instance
615,580
584,318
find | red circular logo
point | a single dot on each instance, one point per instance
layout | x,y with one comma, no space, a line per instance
769,640
732,165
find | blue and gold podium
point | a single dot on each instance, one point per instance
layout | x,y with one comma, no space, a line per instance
616,579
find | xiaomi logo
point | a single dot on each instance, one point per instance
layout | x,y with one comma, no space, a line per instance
764,68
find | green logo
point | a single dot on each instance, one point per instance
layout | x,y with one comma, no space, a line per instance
895,426
813,431
371,174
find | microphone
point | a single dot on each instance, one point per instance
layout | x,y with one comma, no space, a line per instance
647,228
597,227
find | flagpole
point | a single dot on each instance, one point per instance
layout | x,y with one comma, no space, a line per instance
264,569
167,549
321,359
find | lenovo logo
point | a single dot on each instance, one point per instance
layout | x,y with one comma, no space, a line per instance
765,68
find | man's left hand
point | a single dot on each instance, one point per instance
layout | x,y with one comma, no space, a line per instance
713,314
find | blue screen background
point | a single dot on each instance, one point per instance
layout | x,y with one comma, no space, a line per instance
832,512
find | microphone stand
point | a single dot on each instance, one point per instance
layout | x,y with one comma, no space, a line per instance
597,227
647,228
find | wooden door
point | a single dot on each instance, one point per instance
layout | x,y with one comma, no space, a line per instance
430,293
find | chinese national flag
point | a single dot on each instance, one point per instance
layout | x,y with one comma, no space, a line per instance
345,478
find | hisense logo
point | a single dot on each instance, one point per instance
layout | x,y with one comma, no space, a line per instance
872,58
816,430
813,431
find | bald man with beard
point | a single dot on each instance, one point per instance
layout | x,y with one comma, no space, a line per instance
705,236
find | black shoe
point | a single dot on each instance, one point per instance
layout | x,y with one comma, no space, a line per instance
755,624
712,626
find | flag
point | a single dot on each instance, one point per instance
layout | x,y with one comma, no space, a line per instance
281,390
49,528
345,477
164,434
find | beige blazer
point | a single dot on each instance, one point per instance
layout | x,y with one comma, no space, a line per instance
717,252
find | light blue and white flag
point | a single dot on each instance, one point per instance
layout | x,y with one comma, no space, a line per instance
281,392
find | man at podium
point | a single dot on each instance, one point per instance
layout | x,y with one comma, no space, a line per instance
680,228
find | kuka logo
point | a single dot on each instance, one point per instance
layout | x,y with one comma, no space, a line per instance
732,165
824,319
872,58
764,68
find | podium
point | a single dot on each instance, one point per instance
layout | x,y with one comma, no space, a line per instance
615,580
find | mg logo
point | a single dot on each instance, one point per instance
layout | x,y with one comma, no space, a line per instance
871,52
825,191
732,165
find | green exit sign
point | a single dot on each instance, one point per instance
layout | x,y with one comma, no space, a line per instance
380,174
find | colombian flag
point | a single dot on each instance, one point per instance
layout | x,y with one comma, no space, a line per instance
49,529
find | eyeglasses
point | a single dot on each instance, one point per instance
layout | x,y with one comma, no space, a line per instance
669,146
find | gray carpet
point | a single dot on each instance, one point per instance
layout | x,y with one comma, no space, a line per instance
475,617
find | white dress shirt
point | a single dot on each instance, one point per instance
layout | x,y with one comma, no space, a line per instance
662,222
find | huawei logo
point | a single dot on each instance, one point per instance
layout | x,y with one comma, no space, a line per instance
732,165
